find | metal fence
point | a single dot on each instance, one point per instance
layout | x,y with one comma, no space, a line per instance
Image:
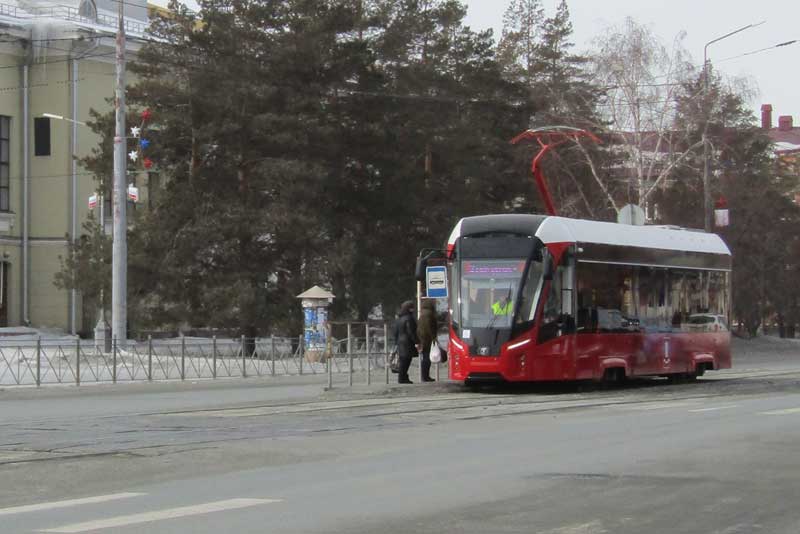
37,362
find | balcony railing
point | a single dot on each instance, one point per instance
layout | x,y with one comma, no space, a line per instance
132,26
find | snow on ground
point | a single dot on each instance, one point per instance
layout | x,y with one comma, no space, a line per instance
24,336
764,348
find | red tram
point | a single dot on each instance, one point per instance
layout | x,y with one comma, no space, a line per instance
546,298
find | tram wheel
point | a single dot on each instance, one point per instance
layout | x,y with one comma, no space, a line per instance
613,377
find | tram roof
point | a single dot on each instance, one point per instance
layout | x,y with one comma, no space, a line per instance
552,229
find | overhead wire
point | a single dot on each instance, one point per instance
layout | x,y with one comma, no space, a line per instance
779,45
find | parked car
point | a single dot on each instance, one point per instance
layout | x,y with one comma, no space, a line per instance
707,322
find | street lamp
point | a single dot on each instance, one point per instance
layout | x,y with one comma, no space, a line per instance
707,206
61,118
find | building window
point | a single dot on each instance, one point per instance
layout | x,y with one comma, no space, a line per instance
5,186
88,9
41,136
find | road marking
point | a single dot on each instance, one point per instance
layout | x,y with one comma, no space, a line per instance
714,408
660,406
65,504
160,515
311,407
787,411
594,527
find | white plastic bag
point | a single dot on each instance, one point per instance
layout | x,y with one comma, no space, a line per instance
436,354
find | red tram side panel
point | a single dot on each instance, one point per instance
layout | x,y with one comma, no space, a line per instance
643,301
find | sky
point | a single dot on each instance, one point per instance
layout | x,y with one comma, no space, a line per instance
775,73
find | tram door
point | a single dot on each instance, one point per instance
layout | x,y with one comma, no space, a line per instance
556,350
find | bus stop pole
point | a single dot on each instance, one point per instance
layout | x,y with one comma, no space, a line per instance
369,355
419,304
386,350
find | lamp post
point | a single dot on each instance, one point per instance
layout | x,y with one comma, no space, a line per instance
707,206
119,258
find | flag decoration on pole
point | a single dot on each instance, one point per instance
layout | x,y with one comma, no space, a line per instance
137,132
721,214
93,201
133,193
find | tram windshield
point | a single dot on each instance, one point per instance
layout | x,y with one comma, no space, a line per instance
499,278
489,290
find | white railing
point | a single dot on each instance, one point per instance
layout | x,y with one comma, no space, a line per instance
73,14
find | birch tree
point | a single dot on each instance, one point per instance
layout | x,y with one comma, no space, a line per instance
641,79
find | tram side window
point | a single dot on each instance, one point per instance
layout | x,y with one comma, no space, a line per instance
698,300
718,295
606,298
654,311
532,286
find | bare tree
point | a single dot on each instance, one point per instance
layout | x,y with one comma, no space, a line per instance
642,80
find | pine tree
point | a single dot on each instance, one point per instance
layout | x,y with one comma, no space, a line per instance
309,142
518,50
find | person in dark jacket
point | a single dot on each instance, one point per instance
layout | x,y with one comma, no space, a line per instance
405,335
426,332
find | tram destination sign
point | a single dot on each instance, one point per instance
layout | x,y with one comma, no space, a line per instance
436,282
493,269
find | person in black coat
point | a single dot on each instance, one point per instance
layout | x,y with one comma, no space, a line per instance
405,335
427,328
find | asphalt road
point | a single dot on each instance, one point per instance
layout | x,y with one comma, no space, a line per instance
716,456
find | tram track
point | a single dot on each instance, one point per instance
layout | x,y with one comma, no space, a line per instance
651,391
266,421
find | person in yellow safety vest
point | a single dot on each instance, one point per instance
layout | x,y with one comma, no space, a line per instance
502,307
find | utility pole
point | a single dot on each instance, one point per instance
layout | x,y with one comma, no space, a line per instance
708,208
119,259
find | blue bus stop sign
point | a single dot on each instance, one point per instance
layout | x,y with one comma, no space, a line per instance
436,282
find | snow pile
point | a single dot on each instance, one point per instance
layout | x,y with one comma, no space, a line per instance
24,336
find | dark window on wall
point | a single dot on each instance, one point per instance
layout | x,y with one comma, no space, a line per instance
41,136
88,9
5,179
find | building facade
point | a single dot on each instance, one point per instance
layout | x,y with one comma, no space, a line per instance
56,60
786,137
